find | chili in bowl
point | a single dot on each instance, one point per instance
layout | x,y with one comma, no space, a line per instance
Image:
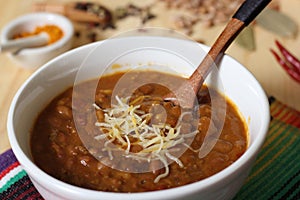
44,127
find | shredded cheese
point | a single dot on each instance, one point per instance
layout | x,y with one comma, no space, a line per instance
124,123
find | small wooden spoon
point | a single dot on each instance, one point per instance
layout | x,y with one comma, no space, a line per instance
244,15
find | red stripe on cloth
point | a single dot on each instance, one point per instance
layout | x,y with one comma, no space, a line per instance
16,190
36,196
281,113
8,169
291,117
275,107
288,117
31,189
297,123
285,114
278,113
294,120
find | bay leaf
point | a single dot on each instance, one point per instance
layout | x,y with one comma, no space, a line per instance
277,22
246,39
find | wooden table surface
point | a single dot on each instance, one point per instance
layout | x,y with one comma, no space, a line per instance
260,62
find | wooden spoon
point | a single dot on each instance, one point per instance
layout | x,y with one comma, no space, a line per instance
244,15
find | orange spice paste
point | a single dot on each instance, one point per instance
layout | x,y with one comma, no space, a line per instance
53,31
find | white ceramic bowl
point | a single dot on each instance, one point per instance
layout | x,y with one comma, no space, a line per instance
32,58
240,86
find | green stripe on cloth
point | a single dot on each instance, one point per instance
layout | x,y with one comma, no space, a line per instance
13,180
285,190
276,172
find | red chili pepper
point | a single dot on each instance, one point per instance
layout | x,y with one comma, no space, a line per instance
295,74
295,63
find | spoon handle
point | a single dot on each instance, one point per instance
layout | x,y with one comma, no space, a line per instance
250,9
31,41
244,15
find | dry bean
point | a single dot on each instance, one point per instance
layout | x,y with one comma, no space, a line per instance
204,122
146,89
100,98
174,111
65,111
100,115
81,119
71,150
136,148
204,108
186,128
61,138
188,118
64,101
158,118
172,121
125,176
81,149
58,150
69,163
159,114
223,146
55,122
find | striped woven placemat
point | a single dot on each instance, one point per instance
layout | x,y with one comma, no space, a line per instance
275,175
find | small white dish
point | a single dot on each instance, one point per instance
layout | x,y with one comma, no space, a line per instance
32,58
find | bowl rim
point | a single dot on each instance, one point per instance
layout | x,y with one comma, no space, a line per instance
61,21
61,186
